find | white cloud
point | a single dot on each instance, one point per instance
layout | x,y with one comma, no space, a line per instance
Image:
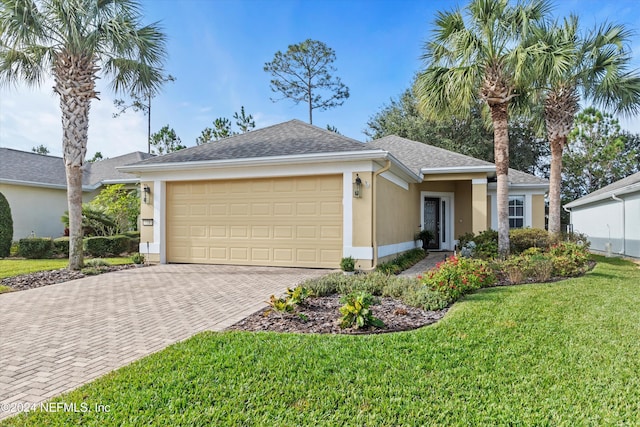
31,117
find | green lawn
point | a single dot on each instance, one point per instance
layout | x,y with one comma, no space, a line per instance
565,353
16,267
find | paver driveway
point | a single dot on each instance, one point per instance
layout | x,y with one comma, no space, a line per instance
55,338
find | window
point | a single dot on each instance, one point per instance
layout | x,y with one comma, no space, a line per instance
516,211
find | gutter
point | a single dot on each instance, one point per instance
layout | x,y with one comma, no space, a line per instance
458,169
590,199
374,229
617,199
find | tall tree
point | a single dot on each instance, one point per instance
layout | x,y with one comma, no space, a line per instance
469,135
75,41
222,127
598,153
475,55
165,141
568,65
303,74
40,149
140,102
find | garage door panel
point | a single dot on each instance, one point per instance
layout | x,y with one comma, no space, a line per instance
278,221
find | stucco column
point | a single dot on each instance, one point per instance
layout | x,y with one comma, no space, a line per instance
479,205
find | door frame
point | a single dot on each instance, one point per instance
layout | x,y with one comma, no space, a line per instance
445,241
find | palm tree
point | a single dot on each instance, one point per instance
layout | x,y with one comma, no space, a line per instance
75,41
480,56
569,65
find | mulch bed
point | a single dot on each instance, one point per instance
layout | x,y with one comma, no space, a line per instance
45,278
323,317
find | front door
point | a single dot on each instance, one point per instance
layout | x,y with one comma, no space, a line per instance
432,220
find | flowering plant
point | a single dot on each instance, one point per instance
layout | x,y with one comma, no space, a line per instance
455,276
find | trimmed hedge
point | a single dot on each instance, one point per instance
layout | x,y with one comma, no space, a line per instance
107,246
61,246
6,227
525,238
35,247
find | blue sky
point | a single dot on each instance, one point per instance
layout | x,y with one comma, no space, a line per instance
217,50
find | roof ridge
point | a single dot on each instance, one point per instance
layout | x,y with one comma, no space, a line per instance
30,152
327,131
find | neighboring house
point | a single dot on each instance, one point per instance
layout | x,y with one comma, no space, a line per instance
610,217
35,186
296,195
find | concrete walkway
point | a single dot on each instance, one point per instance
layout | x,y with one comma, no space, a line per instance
56,338
426,264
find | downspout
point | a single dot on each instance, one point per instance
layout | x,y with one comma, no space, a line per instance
618,199
374,229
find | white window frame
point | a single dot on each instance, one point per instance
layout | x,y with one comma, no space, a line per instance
524,210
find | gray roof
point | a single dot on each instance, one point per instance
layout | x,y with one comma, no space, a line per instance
418,156
625,185
285,139
38,169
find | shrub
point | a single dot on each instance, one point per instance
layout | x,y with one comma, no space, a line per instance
569,259
578,238
397,287
95,221
106,246
6,227
371,283
137,258
525,238
456,276
96,262
348,264
486,243
425,298
35,247
356,312
402,262
325,285
61,246
290,302
541,267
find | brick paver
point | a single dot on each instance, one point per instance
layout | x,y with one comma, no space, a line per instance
426,264
56,338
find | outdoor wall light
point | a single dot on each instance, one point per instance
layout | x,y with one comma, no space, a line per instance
147,221
147,193
357,187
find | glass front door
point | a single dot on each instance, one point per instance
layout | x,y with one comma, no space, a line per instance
432,220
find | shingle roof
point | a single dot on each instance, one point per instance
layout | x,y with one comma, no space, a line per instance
105,170
27,167
285,139
24,166
632,181
417,156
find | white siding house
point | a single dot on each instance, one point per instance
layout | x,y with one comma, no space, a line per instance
610,217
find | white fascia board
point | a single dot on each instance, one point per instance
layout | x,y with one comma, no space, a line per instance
265,171
620,191
402,171
258,161
535,188
458,169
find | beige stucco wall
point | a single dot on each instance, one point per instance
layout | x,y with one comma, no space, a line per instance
398,213
362,214
537,211
146,212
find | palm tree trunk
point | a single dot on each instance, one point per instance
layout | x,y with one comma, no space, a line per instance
75,83
555,183
499,118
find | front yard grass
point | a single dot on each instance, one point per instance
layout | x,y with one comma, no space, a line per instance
16,267
562,354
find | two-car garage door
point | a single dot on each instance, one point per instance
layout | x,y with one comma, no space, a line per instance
292,222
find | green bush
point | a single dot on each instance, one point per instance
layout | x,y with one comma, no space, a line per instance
95,221
397,287
329,284
348,264
525,238
371,283
290,302
425,298
569,259
6,227
486,243
106,246
35,247
578,238
532,264
61,246
356,312
96,262
137,258
402,262
455,277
